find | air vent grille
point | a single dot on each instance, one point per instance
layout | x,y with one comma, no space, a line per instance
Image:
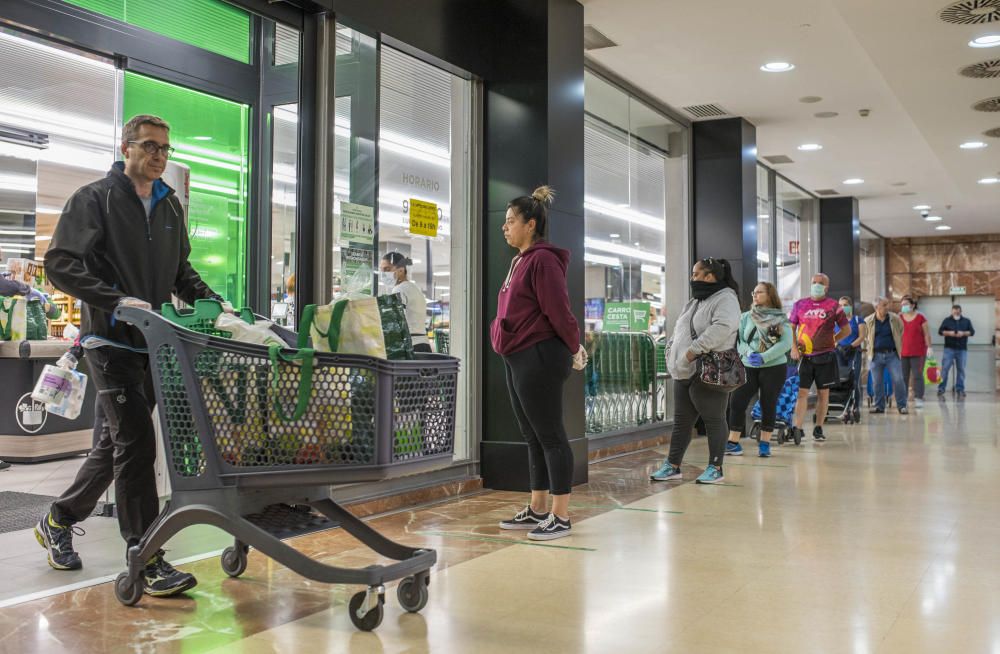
983,70
826,191
989,104
777,159
706,111
993,133
593,39
971,12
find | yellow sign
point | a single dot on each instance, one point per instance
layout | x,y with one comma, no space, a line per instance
423,218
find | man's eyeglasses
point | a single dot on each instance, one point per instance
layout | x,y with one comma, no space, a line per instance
152,147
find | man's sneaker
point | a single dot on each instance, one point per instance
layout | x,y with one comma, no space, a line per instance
734,449
961,395
903,411
918,403
818,434
763,449
160,579
667,472
524,519
551,528
712,475
877,411
58,540
941,392
4,464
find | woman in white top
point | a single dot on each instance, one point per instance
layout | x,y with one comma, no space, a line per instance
393,275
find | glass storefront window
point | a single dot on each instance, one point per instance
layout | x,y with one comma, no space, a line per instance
765,249
284,170
423,204
211,136
872,266
796,209
627,148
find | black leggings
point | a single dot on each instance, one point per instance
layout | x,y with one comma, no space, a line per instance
769,381
691,400
535,378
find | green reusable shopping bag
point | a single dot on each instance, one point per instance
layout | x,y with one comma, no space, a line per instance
7,305
395,329
36,326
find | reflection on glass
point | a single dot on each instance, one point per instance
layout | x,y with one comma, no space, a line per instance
765,249
284,172
795,210
872,266
626,151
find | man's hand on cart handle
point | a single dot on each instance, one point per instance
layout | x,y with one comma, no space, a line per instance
135,302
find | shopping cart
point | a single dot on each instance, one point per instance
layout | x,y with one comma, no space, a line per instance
784,411
252,434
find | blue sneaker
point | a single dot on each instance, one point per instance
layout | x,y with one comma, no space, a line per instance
667,472
712,475
734,449
764,450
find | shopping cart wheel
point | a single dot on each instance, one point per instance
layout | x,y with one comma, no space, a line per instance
413,594
127,591
755,431
796,435
234,561
372,617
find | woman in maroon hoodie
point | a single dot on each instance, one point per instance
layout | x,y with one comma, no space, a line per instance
539,339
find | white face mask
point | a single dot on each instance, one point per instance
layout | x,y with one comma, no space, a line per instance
387,279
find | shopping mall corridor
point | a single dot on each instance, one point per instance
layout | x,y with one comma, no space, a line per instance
881,540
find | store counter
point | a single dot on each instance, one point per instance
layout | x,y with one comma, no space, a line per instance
29,433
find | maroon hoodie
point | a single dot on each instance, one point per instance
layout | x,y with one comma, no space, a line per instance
533,303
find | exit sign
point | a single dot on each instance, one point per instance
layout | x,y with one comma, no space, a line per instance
958,290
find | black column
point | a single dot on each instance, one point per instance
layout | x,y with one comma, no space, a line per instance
534,136
840,245
725,196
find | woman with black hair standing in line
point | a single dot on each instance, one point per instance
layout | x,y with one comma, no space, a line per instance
708,323
539,339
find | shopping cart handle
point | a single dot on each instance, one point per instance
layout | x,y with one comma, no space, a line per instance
134,316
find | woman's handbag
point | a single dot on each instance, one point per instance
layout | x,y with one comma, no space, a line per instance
721,371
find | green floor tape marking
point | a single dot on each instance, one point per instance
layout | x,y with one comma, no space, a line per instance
621,508
491,539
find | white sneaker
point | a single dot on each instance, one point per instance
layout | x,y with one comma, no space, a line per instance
918,403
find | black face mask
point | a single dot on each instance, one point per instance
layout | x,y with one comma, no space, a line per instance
704,290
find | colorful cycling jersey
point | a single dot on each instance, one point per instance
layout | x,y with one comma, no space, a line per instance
814,322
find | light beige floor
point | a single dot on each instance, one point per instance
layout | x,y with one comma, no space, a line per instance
884,539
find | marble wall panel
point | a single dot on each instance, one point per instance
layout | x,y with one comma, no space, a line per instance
899,285
898,258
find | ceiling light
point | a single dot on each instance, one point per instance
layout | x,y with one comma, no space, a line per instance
933,219
989,180
202,138
763,215
922,207
810,147
973,145
777,67
650,269
623,250
442,273
988,41
615,235
629,215
602,260
942,228
854,180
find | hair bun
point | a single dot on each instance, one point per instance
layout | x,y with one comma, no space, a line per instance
544,194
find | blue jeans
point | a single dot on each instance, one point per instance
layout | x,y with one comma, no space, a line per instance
958,357
880,362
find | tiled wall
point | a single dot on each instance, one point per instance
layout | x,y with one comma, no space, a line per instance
932,266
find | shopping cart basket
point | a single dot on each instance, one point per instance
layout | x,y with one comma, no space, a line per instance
248,429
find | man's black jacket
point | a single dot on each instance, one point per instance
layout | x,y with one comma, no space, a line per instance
104,249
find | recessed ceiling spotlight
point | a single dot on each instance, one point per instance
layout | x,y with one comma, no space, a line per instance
854,180
826,114
989,180
922,207
973,145
810,147
933,219
988,41
777,67
942,228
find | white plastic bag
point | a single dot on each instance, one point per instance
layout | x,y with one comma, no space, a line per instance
61,390
258,333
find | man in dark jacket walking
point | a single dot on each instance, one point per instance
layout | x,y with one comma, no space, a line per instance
956,330
121,241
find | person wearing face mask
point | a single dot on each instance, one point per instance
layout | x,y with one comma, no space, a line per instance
916,348
849,351
538,337
763,340
816,320
956,330
884,342
708,323
394,277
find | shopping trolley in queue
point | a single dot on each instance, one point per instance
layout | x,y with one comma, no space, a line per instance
252,434
784,414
